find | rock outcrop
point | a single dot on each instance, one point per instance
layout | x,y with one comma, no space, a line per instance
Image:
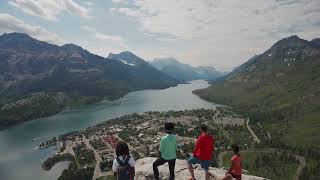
144,171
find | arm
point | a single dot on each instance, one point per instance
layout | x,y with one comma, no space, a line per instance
115,166
132,169
162,144
133,172
232,166
197,145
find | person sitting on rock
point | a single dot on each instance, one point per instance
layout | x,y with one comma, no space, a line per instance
235,170
202,153
168,154
123,165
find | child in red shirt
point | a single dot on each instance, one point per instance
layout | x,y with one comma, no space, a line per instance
235,170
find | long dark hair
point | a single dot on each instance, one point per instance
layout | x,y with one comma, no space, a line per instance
236,149
122,149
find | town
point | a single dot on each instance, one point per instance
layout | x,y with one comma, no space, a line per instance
94,147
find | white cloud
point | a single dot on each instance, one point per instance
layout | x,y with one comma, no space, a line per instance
117,40
225,33
9,23
129,12
104,43
119,1
50,9
89,3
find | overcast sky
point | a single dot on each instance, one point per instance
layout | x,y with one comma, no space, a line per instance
221,33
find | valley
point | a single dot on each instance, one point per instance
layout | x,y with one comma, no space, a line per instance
19,148
143,131
279,91
51,78
272,99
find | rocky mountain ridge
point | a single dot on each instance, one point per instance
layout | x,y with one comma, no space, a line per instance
278,86
185,72
29,67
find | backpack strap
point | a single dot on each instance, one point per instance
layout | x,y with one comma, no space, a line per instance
119,161
126,162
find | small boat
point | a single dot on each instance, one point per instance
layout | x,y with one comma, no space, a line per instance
36,139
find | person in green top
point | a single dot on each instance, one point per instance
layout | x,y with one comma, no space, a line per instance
168,154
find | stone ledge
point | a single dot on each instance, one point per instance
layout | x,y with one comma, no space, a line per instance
144,171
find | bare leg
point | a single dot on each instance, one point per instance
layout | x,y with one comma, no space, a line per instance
227,177
191,171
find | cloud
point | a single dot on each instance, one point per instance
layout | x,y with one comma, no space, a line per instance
50,9
119,1
104,43
111,39
9,23
129,12
226,33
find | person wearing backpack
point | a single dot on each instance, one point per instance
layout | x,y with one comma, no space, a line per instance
168,154
123,164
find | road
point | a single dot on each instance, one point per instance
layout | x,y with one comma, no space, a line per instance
255,137
97,170
130,147
302,164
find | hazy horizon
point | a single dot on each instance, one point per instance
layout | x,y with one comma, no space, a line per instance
222,34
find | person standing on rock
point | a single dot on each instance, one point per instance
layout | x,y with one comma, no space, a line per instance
202,153
123,164
235,170
168,154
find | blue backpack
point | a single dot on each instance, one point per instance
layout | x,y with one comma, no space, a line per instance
124,169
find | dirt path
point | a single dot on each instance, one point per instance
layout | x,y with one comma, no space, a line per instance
97,170
255,137
302,164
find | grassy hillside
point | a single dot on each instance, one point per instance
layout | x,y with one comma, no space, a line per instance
280,88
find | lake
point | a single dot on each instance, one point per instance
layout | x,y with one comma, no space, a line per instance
19,159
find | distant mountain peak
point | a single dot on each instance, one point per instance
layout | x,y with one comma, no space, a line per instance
127,58
72,47
184,72
16,35
23,42
292,41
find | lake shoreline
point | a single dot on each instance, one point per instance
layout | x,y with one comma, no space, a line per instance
17,142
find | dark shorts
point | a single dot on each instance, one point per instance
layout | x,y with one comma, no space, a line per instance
237,177
204,163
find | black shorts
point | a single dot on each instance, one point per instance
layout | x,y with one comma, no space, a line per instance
237,177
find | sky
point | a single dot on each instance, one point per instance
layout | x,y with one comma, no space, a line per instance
219,33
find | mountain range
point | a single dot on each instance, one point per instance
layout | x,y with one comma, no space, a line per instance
279,88
185,72
38,79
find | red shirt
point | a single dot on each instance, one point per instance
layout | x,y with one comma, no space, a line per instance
204,147
236,161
